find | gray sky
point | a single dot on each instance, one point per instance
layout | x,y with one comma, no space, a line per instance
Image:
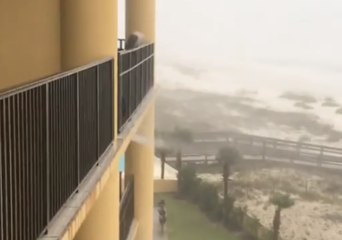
265,30
282,45
272,45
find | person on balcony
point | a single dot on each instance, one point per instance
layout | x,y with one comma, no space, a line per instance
135,40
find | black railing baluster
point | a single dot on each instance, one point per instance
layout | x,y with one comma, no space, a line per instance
105,131
78,127
2,172
2,219
98,110
14,166
34,159
88,120
47,150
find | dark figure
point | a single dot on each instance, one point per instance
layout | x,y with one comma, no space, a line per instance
135,40
123,108
162,214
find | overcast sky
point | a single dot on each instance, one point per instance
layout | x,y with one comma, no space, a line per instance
303,30
277,43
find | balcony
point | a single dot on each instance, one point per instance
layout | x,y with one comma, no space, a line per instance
136,78
53,133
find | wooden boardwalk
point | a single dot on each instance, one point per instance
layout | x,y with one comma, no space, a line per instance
205,146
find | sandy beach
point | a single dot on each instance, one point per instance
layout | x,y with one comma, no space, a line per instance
316,215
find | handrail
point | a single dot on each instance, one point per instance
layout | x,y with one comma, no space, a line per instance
136,65
134,49
9,92
268,139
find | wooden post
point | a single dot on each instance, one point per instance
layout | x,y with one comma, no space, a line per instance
179,160
163,159
179,167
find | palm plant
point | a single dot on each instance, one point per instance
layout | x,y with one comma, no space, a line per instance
280,201
179,167
227,156
162,152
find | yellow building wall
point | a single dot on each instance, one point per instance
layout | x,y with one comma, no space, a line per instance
89,31
102,221
140,163
165,186
29,41
141,16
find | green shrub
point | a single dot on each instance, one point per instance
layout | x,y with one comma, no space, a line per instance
227,208
208,197
187,180
252,225
265,234
228,204
216,213
196,191
236,218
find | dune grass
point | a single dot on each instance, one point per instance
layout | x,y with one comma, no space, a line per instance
187,222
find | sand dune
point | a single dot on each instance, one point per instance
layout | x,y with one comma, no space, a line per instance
319,218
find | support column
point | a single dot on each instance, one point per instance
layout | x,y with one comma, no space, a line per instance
89,33
140,16
29,41
140,163
103,220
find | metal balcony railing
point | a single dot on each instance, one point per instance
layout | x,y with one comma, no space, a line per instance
136,78
51,134
127,209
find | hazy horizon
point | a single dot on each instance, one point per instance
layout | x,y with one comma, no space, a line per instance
270,46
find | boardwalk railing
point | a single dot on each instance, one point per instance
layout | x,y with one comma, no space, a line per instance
127,209
205,147
52,133
136,78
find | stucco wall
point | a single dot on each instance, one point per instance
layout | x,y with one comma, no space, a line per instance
29,41
165,186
